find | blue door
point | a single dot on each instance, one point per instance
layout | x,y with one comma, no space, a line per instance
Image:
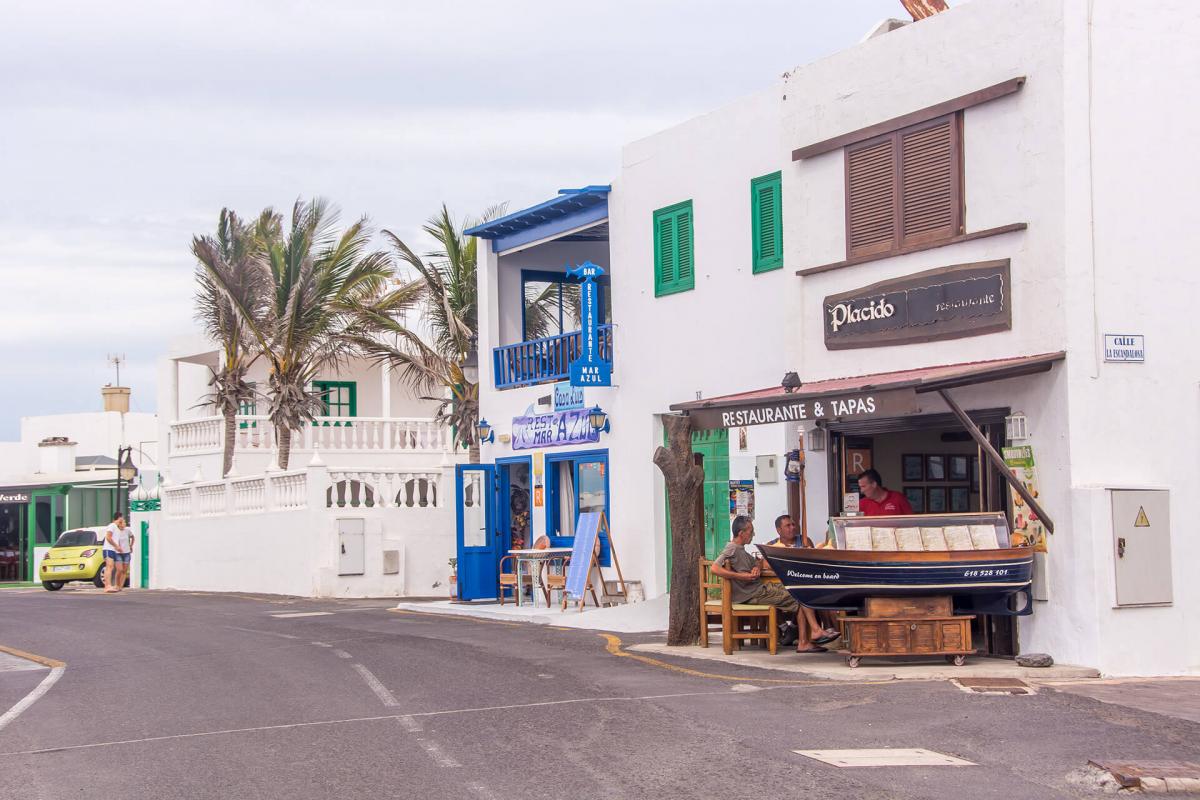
479,546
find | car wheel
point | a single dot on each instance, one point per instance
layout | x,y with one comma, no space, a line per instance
52,586
98,581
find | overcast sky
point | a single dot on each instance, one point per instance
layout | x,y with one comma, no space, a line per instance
125,127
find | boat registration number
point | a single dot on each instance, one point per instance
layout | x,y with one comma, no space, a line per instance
984,573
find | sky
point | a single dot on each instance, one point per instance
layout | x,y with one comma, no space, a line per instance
126,126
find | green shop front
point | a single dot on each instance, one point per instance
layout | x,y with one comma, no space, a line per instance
33,516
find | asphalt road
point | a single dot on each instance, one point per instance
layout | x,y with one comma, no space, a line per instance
172,695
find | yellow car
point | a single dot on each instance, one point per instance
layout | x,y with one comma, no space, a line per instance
76,556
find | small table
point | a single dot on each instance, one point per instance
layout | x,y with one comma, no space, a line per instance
535,558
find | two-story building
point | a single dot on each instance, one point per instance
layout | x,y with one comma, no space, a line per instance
944,232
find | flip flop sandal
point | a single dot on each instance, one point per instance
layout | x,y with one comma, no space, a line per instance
825,639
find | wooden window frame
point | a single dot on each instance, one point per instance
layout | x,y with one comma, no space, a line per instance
323,387
899,243
758,263
674,212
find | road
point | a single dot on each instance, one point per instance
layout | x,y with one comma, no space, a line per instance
174,695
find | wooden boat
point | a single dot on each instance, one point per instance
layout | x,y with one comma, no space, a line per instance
981,581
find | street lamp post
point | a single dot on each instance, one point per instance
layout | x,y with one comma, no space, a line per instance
126,472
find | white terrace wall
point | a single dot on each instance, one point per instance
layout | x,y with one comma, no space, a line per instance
278,533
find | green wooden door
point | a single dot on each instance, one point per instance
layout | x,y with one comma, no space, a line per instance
713,445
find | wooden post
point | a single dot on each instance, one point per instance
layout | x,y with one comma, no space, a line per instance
684,481
996,459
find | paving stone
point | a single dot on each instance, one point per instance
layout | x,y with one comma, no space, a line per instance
1154,785
1182,784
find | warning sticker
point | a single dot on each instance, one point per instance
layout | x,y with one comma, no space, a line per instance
1142,520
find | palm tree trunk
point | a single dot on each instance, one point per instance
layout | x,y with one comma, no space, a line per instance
473,453
284,434
230,439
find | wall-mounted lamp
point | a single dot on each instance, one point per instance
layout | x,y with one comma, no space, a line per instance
598,420
816,440
486,434
790,382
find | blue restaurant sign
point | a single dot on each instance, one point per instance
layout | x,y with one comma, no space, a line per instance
590,369
567,397
553,430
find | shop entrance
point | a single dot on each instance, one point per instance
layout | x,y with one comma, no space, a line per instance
936,465
47,519
713,448
13,544
516,501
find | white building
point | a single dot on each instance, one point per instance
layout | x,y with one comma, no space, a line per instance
999,147
61,475
359,512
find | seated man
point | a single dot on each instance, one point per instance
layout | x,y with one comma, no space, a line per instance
789,536
744,572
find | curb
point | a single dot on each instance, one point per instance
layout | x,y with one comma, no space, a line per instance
43,660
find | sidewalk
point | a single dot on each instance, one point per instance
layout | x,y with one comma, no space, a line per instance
1172,697
831,666
645,617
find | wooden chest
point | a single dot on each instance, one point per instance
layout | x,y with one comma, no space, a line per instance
907,627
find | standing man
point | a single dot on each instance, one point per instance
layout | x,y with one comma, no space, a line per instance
744,572
118,548
878,501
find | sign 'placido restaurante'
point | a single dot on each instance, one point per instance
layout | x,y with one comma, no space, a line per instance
943,303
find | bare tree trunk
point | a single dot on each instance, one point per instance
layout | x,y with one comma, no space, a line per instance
283,435
230,439
684,481
473,453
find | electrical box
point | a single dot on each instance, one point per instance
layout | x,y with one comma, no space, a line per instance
391,562
351,546
766,469
1142,546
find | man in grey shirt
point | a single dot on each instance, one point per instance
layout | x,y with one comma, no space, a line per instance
744,572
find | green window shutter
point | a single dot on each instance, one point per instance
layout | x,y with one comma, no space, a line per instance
674,268
766,222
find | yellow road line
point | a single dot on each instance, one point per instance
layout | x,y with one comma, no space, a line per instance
46,662
614,648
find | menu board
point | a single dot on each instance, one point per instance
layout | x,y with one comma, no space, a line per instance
934,538
958,537
983,537
909,539
883,539
858,539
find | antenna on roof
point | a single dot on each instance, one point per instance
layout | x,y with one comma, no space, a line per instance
117,360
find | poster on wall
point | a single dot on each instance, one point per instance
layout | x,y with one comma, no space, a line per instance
1026,525
741,499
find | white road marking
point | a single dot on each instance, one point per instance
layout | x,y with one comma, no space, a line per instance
437,754
886,757
381,691
321,644
294,614
411,725
483,791
342,654
265,633
352,720
31,698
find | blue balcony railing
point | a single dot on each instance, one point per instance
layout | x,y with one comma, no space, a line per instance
543,360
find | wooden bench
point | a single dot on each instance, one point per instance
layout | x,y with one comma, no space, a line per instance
716,603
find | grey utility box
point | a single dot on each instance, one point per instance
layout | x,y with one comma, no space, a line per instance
1142,546
352,546
766,469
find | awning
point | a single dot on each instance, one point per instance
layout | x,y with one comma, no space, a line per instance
572,215
882,394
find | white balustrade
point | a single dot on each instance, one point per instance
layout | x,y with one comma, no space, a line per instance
255,433
177,502
289,490
384,488
210,499
249,495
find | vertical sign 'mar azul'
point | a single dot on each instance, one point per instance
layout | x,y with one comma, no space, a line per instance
589,369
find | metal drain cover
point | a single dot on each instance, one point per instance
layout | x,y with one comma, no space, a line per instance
886,757
994,685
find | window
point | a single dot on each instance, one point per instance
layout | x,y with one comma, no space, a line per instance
905,188
340,398
552,303
766,222
249,407
673,268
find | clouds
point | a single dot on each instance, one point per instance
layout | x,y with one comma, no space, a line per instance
126,126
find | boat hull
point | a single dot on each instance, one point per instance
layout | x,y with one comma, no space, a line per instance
984,580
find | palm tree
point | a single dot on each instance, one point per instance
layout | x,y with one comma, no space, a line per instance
235,256
432,359
321,286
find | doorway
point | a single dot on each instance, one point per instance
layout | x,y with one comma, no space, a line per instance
516,502
713,448
13,543
478,549
47,520
939,469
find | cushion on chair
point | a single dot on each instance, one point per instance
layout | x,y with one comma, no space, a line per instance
749,607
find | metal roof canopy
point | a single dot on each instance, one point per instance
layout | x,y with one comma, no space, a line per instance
571,212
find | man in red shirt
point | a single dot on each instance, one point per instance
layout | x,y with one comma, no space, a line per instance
878,501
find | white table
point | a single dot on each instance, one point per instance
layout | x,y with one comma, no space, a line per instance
534,559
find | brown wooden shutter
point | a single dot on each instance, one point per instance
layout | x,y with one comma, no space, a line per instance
929,195
871,198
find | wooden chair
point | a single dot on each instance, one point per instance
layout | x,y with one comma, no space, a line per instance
511,580
732,615
554,579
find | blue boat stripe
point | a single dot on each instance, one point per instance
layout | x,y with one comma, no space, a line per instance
840,586
909,565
